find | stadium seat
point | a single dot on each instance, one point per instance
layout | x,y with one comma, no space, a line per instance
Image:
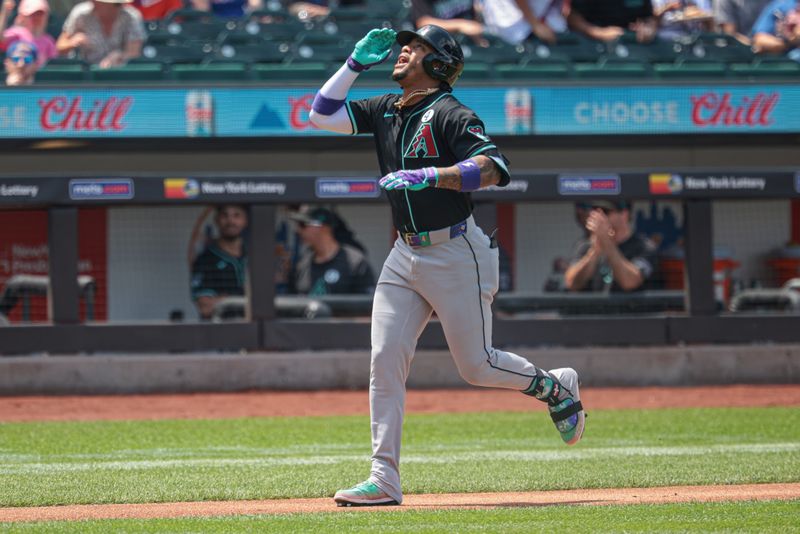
497,52
273,31
190,15
270,12
241,36
690,70
212,72
209,31
578,48
534,71
132,72
719,47
317,46
306,71
785,68
355,29
317,37
264,52
476,71
161,36
659,51
612,69
62,71
194,53
387,8
537,51
352,13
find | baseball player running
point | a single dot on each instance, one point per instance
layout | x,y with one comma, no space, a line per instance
433,152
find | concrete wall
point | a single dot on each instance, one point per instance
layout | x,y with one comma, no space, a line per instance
632,366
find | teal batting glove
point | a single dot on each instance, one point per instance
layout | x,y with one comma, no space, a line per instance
371,50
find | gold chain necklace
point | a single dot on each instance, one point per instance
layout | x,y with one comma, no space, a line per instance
403,102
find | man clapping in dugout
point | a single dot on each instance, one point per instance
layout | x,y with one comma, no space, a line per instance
612,257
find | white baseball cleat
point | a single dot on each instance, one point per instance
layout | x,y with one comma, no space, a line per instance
564,405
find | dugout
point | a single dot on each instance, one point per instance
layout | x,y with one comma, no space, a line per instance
732,184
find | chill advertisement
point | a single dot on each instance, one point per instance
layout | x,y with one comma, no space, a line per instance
272,112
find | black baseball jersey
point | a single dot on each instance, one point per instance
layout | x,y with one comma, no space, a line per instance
216,273
347,272
637,249
438,131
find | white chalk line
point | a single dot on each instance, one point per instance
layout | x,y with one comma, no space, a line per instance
15,466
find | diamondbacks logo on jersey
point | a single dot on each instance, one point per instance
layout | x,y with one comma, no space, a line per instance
477,131
423,145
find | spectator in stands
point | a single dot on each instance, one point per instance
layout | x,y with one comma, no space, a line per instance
737,17
227,9
613,257
517,20
157,9
20,63
777,30
31,26
608,20
455,16
219,270
681,18
334,261
317,9
106,33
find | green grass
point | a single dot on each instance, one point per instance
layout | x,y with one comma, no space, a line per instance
770,516
160,461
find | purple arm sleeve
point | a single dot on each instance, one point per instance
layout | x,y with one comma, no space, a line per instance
470,175
326,106
354,65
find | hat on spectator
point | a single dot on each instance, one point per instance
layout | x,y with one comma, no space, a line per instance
22,50
29,7
613,205
315,217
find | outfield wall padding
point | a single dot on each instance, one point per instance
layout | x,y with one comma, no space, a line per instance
151,373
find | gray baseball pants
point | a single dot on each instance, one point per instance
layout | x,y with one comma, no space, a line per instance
456,279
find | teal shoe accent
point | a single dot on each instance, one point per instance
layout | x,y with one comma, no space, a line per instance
564,404
364,494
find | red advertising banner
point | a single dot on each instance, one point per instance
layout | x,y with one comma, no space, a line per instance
23,250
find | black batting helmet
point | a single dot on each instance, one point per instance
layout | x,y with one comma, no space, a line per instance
446,62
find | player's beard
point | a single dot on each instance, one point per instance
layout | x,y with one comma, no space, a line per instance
399,75
230,233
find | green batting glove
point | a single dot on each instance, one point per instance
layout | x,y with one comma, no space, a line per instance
372,49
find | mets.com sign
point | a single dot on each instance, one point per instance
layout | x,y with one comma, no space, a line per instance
267,112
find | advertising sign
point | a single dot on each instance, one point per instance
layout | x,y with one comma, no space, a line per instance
275,112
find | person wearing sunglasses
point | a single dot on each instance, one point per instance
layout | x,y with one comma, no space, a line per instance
333,262
29,25
21,63
613,257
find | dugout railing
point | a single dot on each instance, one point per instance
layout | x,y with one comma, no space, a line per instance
265,329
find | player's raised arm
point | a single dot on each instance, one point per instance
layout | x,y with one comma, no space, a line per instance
328,111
